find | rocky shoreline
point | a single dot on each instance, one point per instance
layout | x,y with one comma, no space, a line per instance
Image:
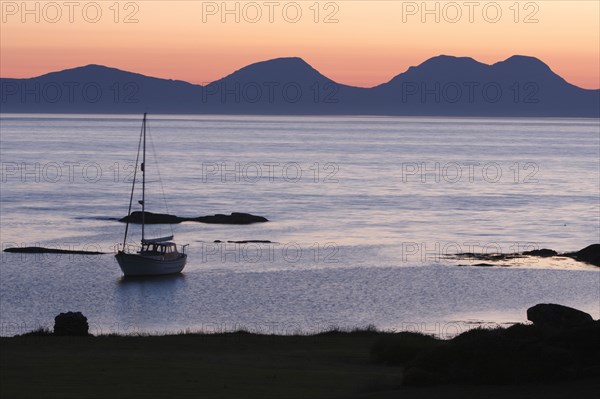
589,254
562,343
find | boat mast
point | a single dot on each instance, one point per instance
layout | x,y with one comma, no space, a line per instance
137,158
144,179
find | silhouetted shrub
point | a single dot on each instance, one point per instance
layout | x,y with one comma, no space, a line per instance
71,323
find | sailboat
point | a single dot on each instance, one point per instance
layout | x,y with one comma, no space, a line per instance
156,256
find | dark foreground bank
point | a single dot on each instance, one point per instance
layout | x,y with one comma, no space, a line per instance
236,365
558,356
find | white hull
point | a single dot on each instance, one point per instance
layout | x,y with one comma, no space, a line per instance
138,265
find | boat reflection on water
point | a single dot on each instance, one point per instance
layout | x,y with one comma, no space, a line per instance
173,279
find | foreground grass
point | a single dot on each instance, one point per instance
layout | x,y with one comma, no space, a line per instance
239,365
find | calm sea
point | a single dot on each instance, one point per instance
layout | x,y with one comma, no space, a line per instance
363,215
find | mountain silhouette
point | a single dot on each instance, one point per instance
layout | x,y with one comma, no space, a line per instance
518,86
97,89
442,85
278,86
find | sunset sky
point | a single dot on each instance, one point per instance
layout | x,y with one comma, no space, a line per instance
361,43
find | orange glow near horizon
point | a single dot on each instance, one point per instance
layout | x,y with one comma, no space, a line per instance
359,43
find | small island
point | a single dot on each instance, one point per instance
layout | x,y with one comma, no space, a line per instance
164,218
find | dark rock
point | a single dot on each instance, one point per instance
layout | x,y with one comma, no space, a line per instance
152,218
554,316
544,252
484,256
589,254
42,250
71,323
250,242
234,218
163,218
478,264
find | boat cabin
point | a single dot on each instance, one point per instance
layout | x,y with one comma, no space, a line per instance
159,248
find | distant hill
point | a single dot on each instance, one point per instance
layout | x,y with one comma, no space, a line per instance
518,86
443,85
97,89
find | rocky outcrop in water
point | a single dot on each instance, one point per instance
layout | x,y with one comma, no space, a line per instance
589,254
163,218
43,250
543,253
